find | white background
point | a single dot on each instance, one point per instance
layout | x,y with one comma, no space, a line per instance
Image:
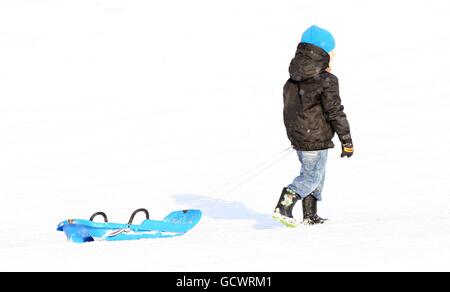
116,105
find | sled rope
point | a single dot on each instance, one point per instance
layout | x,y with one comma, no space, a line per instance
243,179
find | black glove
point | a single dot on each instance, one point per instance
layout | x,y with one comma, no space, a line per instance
347,150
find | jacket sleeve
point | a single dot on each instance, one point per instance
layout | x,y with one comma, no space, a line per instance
334,110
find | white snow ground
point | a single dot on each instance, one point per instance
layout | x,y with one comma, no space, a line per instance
114,105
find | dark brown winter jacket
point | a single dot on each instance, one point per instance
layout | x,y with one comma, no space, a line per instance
312,107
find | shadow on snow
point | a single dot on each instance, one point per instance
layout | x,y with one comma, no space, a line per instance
222,209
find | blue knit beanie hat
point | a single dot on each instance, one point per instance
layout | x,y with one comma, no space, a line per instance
319,37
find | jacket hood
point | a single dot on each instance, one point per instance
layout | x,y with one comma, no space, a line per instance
309,62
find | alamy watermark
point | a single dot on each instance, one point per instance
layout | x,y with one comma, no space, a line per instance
235,281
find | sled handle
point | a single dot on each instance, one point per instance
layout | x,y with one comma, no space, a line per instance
147,215
99,214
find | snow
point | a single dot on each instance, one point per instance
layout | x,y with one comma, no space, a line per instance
114,105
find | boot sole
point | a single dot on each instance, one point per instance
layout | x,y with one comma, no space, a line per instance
284,221
288,223
308,223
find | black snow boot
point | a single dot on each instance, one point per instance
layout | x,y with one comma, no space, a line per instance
310,216
283,210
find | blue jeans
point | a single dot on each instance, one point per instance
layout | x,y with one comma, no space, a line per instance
312,174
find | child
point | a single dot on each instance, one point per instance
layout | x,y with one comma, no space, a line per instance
312,115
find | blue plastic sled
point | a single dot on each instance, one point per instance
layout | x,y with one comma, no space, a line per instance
175,224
